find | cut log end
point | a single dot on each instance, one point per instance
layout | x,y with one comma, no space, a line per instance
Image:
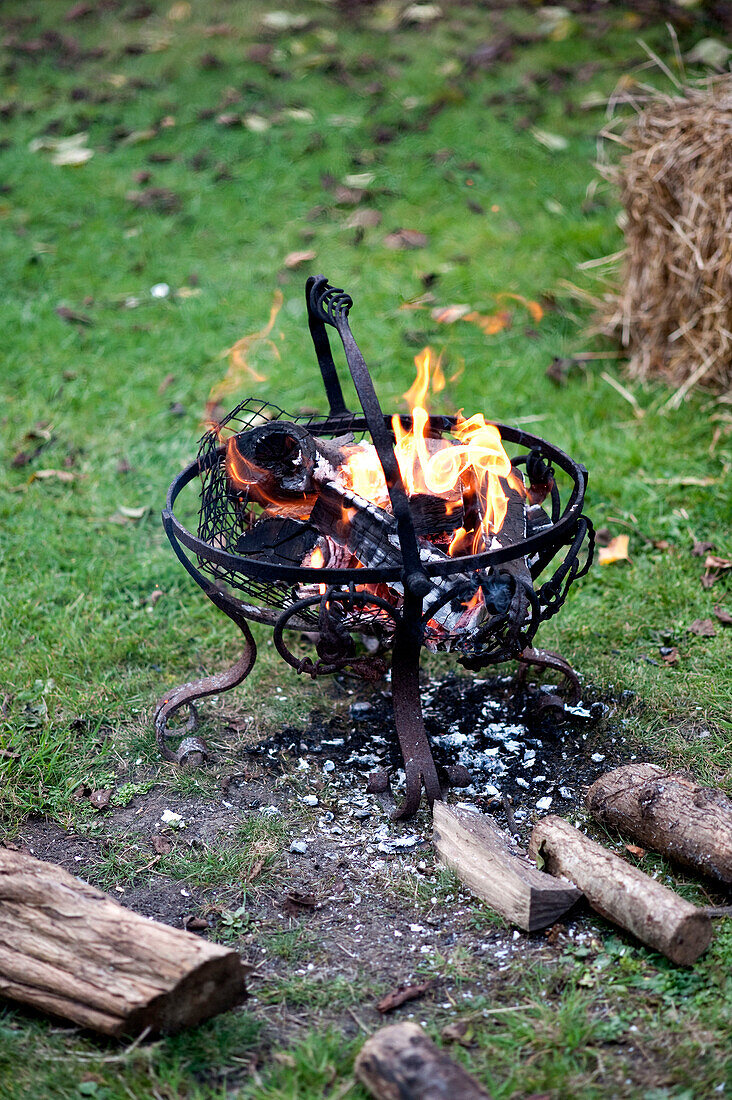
622,893
72,951
487,861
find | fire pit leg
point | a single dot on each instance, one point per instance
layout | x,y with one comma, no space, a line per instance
419,765
543,659
193,750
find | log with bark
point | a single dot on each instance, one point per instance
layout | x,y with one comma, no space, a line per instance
669,812
70,950
401,1063
486,859
621,893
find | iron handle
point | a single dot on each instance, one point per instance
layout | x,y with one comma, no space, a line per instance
329,305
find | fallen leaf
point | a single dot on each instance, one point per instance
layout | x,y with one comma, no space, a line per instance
366,218
670,655
714,566
699,549
421,13
554,142
72,316
490,323
155,595
705,628
195,924
295,259
100,799
295,903
406,238
616,550
284,21
255,870
132,513
79,11
347,196
724,616
635,850
161,199
554,934
533,307
161,845
447,315
560,369
167,381
710,51
402,994
179,12
460,1032
256,123
48,475
72,157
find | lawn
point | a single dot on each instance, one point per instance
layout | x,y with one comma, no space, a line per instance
222,138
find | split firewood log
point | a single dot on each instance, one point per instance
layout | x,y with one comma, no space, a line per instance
669,812
70,950
621,893
487,860
401,1063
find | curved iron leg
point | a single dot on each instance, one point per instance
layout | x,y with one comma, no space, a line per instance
544,658
419,766
193,749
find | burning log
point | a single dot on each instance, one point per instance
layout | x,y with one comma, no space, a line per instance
278,539
670,813
70,950
486,860
401,1063
621,893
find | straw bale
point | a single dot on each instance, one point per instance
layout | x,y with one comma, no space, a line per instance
673,310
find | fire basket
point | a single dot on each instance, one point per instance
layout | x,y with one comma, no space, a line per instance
369,534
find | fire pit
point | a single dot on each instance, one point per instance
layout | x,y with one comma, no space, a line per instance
369,534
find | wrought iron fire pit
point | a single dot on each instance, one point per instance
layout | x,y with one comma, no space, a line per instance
404,592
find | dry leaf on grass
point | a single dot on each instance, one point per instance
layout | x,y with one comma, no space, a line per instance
161,845
72,316
295,259
366,218
671,656
402,994
447,315
635,850
724,616
705,628
100,799
49,475
616,550
406,238
714,567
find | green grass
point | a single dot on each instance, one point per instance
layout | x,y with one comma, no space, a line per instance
87,651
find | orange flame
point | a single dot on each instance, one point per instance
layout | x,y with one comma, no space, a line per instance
430,464
239,364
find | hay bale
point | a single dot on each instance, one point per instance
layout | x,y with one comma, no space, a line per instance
673,311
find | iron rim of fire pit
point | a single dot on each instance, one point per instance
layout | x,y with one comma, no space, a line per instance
339,608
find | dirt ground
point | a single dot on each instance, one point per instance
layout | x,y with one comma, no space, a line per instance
353,899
